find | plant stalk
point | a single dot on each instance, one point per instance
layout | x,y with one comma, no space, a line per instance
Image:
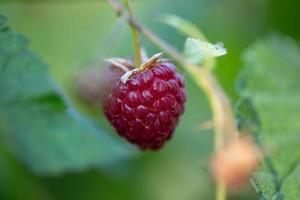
135,37
221,192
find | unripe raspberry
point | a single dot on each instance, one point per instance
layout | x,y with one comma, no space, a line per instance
235,164
145,109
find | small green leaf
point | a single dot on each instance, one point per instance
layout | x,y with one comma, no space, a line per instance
39,124
197,51
270,105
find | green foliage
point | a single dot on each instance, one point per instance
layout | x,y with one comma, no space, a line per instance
201,52
269,87
197,50
38,123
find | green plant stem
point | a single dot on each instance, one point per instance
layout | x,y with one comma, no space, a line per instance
135,37
223,118
221,192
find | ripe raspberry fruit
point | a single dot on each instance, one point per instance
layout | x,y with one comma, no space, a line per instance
145,109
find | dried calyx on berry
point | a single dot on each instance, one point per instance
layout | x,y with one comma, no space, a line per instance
144,104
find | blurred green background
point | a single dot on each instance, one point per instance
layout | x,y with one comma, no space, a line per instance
72,35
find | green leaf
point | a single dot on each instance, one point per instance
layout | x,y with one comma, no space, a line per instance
198,52
270,105
191,48
38,123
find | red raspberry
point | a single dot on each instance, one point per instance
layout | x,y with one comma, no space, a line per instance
146,109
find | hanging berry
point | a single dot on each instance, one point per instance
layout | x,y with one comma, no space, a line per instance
144,105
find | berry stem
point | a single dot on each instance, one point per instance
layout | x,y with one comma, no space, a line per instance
135,37
221,192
